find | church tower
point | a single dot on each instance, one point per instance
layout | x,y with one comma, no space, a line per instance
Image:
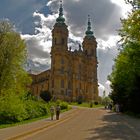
59,57
89,50
60,32
89,42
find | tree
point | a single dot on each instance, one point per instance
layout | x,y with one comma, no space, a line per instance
46,95
134,3
13,77
16,103
80,99
126,71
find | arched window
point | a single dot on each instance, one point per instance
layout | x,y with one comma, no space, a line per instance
52,83
86,52
62,70
62,83
55,41
79,68
62,60
53,61
92,52
69,85
63,41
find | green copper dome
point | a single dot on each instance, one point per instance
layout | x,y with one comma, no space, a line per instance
89,32
60,19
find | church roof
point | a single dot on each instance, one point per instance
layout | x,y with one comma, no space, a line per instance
60,19
89,32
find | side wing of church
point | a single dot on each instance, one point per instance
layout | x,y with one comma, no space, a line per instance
73,74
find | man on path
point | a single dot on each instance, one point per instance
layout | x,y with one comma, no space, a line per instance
57,112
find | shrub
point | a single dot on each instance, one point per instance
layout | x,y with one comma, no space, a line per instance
91,104
46,96
63,105
58,102
35,109
96,103
80,99
12,109
15,108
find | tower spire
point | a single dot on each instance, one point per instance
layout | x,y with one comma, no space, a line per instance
61,9
89,32
60,19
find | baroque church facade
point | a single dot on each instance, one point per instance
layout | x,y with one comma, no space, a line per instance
73,74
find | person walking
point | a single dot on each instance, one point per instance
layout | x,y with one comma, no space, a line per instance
117,108
57,112
52,110
110,106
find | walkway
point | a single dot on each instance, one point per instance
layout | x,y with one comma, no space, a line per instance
78,124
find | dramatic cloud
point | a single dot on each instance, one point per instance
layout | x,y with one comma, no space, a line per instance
101,89
107,51
20,12
104,14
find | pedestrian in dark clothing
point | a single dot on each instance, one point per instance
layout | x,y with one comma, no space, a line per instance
57,112
110,106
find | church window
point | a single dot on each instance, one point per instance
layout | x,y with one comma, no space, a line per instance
86,52
37,89
62,83
62,60
80,85
52,92
93,90
55,41
86,89
69,85
53,61
52,83
62,70
42,87
79,69
63,41
92,52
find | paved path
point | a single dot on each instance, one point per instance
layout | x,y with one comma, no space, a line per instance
79,124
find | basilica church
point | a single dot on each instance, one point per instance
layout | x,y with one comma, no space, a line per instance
73,74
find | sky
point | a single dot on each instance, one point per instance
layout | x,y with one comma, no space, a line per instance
34,19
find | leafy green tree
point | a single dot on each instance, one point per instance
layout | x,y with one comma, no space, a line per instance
134,3
46,96
126,71
80,99
106,100
13,77
16,103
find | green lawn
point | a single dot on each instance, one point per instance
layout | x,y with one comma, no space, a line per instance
86,105
29,121
24,122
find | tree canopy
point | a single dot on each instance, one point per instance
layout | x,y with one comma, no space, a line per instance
15,104
13,77
46,95
125,76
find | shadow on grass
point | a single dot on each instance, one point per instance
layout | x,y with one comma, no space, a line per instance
113,127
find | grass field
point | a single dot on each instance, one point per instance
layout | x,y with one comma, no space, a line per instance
86,105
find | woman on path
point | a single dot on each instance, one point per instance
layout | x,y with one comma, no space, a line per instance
52,112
